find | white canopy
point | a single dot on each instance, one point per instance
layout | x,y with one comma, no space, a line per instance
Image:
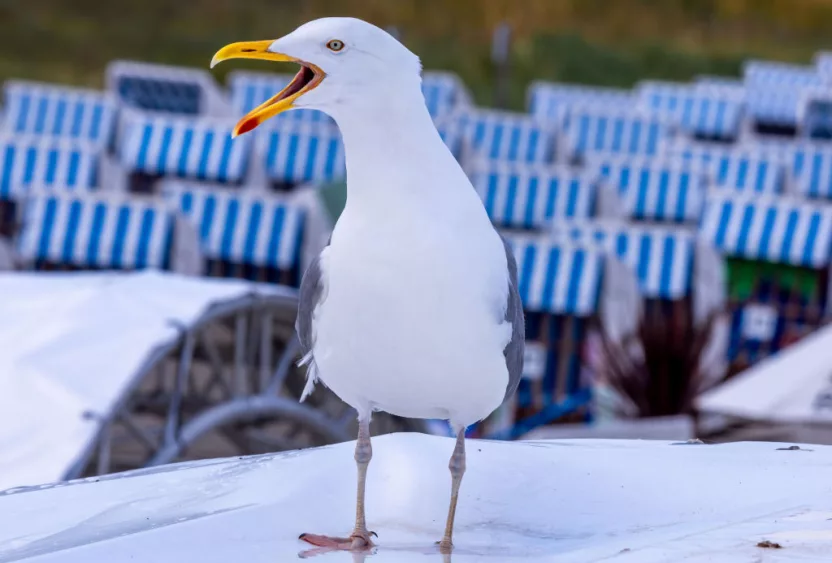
71,344
794,385
568,501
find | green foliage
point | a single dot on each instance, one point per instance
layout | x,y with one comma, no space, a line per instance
607,42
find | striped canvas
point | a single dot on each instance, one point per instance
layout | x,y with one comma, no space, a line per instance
698,110
250,89
529,197
557,278
29,161
444,92
660,257
508,137
774,90
59,111
550,100
654,189
95,231
242,227
772,229
618,132
812,170
169,145
297,153
749,171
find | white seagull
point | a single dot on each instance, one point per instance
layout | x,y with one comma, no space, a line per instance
412,308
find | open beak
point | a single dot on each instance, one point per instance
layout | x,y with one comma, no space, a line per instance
308,78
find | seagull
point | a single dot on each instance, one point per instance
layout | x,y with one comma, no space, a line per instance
412,307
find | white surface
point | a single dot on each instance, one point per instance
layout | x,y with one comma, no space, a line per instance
786,387
567,501
71,343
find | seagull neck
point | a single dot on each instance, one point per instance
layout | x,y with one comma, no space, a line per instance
394,146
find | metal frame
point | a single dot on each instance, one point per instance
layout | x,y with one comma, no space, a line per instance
231,378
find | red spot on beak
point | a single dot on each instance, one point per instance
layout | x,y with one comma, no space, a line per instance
247,125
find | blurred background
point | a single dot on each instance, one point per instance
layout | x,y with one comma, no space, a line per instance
661,169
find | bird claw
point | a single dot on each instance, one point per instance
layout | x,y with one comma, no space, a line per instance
357,541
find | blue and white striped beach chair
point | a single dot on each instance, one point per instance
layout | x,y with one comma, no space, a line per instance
507,137
771,229
530,197
95,230
165,88
300,153
552,100
444,93
706,112
593,130
660,256
656,189
774,91
59,111
28,162
159,144
243,228
749,170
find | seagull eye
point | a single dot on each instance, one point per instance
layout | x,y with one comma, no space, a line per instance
335,45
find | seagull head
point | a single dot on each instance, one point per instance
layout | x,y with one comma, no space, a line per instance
345,64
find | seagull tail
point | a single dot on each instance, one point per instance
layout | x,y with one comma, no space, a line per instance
311,375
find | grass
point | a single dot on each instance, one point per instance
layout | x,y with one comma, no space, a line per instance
604,42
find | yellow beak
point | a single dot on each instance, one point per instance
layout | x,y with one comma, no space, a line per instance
309,77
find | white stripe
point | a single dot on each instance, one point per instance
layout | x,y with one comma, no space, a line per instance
105,243
587,289
778,233
288,238
82,238
563,279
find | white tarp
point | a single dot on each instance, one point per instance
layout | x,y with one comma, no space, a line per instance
793,386
70,344
574,501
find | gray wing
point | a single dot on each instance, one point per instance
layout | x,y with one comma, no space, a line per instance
311,293
514,315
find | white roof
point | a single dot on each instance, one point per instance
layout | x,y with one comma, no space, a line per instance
552,501
72,343
794,385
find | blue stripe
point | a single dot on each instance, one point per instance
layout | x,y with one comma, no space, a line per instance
145,233
75,209
184,152
573,191
514,146
205,154
491,194
8,165
72,179
788,237
575,278
681,204
511,196
225,160
48,225
534,138
25,101
667,260
494,151
51,166
291,156
643,263
525,280
207,220
231,212
164,149
309,172
635,136
77,118
60,113
144,145
186,203
552,270
29,167
528,218
273,253
40,115
122,222
95,123
664,187
98,216
643,186
811,239
745,227
252,231
768,228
